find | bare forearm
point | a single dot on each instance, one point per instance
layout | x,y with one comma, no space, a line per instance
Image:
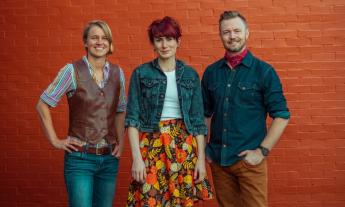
133,135
208,124
120,126
46,121
201,141
275,131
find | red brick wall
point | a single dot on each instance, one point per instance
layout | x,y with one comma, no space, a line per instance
303,39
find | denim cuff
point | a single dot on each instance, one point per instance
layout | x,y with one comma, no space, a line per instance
132,123
200,131
281,114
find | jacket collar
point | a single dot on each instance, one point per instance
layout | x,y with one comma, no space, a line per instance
180,65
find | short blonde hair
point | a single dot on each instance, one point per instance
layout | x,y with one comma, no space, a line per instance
106,29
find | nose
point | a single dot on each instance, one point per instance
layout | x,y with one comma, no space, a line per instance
100,40
231,35
164,43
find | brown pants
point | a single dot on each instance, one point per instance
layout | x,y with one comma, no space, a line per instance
241,184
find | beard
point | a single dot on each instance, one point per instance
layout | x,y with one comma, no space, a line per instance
237,47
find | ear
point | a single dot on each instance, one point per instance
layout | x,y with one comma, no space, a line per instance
247,33
178,42
111,48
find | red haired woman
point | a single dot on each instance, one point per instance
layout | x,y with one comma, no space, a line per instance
166,128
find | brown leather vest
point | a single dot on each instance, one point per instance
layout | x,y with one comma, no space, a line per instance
92,109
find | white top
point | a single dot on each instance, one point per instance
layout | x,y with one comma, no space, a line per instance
171,107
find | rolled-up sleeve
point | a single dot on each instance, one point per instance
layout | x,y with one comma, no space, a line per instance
133,105
197,113
275,101
63,83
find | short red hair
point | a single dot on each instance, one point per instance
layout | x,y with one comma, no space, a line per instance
166,27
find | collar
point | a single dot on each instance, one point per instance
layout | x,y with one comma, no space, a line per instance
105,69
246,61
180,65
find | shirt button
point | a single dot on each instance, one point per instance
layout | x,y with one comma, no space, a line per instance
224,130
229,85
162,95
164,82
224,145
226,98
101,93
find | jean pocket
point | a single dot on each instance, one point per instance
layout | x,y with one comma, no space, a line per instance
257,168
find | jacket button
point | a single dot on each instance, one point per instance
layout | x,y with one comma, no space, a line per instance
162,95
164,82
224,145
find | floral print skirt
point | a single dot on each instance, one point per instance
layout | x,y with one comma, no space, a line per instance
170,156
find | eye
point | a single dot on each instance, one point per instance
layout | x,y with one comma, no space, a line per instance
157,39
237,31
225,32
170,38
93,37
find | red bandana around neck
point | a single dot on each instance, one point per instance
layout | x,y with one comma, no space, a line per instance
235,60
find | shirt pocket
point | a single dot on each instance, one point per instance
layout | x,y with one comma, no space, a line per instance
187,86
249,92
149,87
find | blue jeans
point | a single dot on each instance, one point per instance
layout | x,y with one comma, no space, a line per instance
90,179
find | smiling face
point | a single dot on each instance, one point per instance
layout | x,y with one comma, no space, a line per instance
97,43
165,47
234,35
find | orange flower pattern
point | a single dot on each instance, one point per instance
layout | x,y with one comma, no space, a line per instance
170,156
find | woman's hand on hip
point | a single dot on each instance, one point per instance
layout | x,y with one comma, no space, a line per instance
67,144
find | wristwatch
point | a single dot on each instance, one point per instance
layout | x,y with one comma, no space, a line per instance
264,150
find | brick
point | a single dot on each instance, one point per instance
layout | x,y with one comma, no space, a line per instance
302,39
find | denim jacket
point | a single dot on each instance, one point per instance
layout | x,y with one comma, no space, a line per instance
146,98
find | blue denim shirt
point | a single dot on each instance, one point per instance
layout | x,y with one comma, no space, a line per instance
147,92
238,101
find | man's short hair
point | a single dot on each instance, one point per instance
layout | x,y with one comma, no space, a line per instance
231,15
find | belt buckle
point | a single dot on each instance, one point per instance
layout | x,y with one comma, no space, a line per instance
98,152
